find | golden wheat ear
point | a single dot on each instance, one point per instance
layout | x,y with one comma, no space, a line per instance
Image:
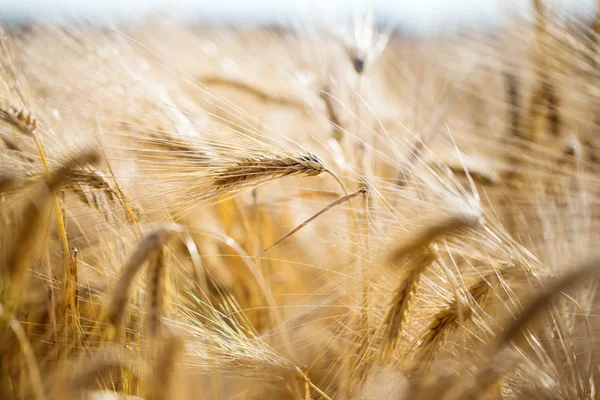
115,311
414,254
454,314
498,360
23,245
245,171
90,177
404,295
422,238
17,117
15,262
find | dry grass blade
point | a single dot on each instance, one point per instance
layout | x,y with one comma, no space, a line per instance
210,295
121,196
310,385
403,177
315,216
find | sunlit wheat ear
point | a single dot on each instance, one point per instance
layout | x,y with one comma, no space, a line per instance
414,255
15,262
403,297
17,117
456,312
92,178
414,241
247,171
93,189
117,306
496,364
197,184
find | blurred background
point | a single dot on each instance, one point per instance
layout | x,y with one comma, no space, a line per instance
420,17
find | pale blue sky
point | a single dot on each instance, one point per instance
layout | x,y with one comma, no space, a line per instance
415,15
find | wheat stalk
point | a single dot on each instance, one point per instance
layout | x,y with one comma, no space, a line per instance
162,383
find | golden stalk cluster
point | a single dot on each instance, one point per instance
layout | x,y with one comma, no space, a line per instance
198,212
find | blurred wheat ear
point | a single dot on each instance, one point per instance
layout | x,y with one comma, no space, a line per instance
115,311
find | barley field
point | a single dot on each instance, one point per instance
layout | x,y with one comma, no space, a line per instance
194,212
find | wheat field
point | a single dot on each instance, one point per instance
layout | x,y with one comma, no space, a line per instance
273,213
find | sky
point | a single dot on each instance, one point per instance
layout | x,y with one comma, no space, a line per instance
419,16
